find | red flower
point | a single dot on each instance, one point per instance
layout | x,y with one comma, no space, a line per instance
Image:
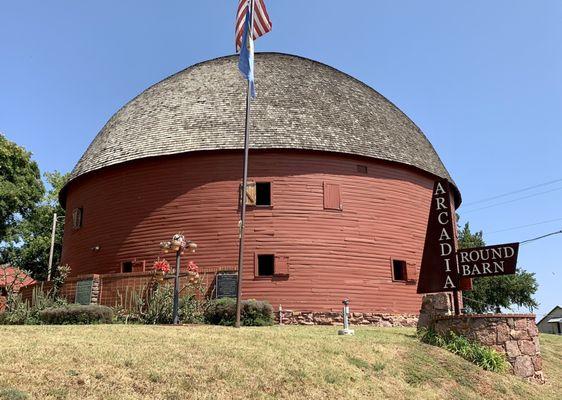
192,267
162,265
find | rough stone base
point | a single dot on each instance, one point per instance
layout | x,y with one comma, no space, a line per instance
515,335
335,318
433,306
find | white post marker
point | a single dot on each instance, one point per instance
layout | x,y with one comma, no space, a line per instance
346,330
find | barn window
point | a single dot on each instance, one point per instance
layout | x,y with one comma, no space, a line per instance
362,169
332,196
77,218
127,266
263,193
266,264
270,265
399,270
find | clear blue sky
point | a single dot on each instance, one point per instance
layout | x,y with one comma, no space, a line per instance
483,79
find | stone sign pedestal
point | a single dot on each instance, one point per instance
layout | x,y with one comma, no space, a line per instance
87,289
515,335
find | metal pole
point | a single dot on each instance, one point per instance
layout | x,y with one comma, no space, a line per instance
177,289
52,250
244,184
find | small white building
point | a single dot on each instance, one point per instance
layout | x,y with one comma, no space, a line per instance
551,322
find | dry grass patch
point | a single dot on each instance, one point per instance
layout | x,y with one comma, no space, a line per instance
206,362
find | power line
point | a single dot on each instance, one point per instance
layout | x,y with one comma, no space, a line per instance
513,192
524,226
540,237
512,201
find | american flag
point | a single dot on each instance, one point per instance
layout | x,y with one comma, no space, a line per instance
262,23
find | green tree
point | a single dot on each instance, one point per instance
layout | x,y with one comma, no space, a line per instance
28,241
20,184
492,293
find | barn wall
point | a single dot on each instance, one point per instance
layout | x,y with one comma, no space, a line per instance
130,208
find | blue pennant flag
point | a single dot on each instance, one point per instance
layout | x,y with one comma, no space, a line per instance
246,62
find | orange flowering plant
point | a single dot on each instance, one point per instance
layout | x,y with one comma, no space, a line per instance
162,265
192,267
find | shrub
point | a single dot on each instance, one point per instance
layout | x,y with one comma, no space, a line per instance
253,312
256,313
76,314
221,312
483,356
21,312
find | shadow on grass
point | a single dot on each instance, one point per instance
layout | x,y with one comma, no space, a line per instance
13,394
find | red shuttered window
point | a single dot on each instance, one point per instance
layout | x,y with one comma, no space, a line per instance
269,265
332,196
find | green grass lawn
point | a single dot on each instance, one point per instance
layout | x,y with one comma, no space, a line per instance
205,362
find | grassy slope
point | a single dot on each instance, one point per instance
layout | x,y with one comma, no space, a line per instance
156,362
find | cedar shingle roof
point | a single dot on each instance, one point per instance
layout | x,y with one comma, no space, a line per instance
301,104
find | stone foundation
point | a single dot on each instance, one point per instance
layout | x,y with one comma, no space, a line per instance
335,318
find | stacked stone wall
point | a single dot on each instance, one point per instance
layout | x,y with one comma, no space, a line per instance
288,317
515,335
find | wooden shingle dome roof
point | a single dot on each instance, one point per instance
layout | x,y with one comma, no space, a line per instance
300,104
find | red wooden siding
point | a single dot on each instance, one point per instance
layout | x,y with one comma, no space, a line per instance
130,208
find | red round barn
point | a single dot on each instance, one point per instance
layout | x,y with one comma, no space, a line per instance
341,181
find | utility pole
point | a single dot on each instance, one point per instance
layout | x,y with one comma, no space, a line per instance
52,250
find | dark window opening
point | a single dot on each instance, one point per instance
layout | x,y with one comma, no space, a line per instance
266,264
77,218
399,270
263,194
3,292
362,169
127,266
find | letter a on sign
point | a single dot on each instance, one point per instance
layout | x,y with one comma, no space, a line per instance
438,271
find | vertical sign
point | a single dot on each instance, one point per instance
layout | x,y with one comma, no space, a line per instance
439,272
443,268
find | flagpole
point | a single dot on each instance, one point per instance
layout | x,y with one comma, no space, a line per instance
244,184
